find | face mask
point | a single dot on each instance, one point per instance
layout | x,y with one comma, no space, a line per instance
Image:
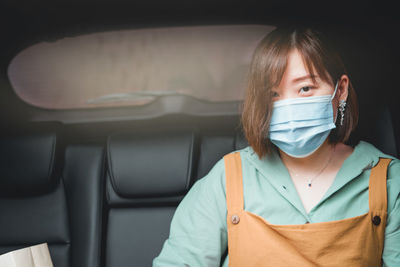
299,126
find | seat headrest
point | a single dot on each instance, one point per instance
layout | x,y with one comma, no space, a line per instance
376,126
146,165
27,163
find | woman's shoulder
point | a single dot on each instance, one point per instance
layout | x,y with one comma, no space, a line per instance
393,172
368,150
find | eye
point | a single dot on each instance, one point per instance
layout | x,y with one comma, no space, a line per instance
274,94
305,89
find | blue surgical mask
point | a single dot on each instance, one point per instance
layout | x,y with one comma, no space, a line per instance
299,126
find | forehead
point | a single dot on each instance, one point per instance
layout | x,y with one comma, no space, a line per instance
295,68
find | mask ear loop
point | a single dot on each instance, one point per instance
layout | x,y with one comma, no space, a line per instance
334,92
333,96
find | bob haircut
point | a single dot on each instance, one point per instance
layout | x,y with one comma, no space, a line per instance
266,71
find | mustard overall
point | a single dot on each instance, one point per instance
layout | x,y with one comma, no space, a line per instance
355,241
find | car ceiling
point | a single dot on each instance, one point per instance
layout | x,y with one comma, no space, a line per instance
49,19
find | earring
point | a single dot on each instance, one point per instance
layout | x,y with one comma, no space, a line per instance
342,106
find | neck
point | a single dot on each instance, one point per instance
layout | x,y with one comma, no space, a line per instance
310,162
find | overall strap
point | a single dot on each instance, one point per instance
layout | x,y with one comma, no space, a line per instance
234,182
377,186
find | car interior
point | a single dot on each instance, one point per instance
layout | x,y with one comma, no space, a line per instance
112,110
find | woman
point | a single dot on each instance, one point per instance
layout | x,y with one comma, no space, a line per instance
298,195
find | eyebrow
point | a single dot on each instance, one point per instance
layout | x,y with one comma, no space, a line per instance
299,79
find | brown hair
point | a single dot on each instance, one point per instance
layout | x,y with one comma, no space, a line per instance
266,71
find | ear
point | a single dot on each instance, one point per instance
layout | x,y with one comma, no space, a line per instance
343,87
341,93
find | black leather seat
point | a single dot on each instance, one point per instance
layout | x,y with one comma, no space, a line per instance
377,126
40,202
214,146
33,204
83,175
148,175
